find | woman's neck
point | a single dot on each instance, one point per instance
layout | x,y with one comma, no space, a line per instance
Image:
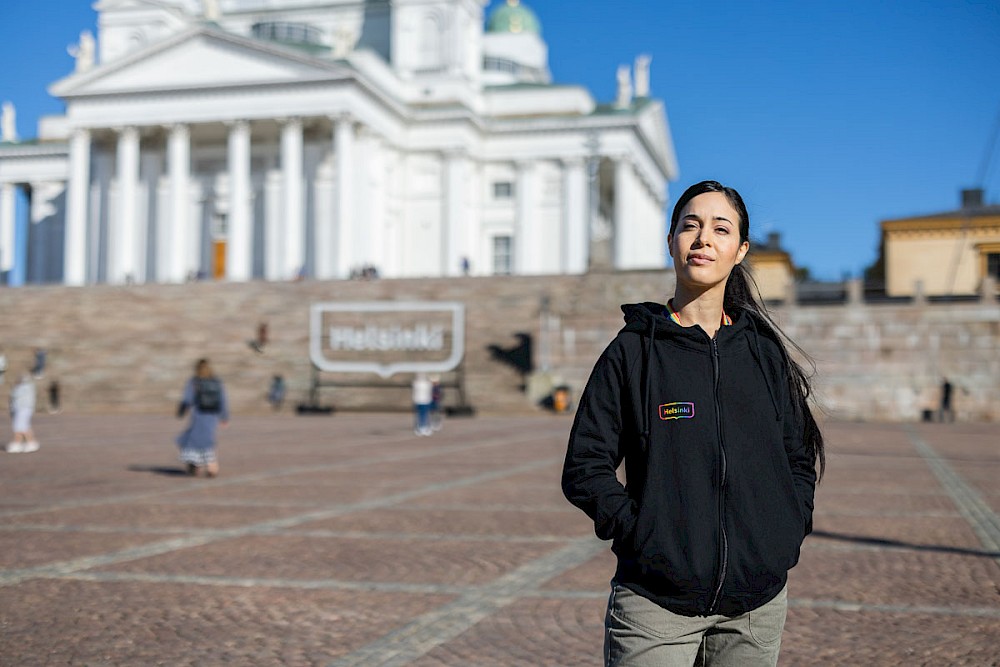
702,308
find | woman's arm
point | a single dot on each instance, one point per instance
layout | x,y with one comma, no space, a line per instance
595,452
801,459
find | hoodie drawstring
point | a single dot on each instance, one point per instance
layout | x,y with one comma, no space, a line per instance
647,399
755,351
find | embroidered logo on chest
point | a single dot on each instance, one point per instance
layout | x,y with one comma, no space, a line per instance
676,411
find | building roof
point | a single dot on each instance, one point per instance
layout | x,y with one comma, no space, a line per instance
514,17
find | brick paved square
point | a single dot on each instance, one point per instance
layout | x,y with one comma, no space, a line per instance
33,548
53,622
594,576
345,540
834,501
344,559
497,523
848,638
897,577
923,533
504,492
149,516
533,632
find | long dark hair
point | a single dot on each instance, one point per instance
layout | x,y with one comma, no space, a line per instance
742,294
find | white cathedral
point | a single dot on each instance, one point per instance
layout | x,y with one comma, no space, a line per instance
276,139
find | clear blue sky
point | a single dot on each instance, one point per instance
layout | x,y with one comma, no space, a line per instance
828,116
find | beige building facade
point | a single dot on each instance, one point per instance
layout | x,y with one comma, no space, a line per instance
947,254
772,270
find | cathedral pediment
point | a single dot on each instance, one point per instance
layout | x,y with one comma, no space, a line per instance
201,57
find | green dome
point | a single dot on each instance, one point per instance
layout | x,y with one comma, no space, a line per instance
514,17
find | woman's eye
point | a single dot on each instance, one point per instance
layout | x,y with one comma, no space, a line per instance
721,230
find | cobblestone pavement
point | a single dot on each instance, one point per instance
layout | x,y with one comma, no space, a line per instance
345,540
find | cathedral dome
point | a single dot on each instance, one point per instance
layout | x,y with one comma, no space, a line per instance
514,17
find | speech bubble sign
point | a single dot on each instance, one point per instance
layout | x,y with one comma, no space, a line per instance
412,338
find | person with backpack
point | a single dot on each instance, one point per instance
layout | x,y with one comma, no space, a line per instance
205,397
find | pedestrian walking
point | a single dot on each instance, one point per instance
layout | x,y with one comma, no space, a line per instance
946,412
436,418
276,392
422,397
41,356
54,390
205,397
22,408
702,402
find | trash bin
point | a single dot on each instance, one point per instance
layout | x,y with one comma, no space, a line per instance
561,399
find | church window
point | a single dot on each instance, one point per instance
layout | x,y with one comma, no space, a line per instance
503,190
494,64
287,32
502,260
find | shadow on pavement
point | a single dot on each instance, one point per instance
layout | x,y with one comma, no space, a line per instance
169,471
896,544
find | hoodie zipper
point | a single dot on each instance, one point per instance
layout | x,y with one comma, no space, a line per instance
723,540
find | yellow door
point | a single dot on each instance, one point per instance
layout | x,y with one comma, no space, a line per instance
219,263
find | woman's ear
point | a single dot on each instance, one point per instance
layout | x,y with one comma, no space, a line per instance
742,252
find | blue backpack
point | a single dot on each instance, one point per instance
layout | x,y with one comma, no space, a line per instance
208,395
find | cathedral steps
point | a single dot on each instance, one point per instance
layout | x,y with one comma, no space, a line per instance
125,349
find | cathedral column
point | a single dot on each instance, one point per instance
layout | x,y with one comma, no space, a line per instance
123,237
524,231
324,221
454,233
344,147
574,237
7,192
175,234
239,233
77,206
293,208
624,225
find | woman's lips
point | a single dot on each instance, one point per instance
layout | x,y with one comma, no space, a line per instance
699,260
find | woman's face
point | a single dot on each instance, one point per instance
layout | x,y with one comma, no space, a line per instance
705,245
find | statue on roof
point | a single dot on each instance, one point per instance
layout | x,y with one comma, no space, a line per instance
642,75
8,123
624,98
83,52
212,11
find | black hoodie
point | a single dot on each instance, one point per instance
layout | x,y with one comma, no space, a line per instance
719,492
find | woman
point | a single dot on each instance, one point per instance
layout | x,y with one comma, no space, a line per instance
707,410
205,396
22,407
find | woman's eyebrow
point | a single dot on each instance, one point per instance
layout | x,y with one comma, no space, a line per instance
695,216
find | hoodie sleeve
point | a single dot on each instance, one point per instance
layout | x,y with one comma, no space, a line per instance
594,452
800,460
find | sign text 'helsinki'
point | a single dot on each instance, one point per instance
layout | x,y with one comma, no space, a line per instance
406,331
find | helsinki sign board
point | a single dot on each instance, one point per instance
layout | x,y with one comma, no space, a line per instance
387,337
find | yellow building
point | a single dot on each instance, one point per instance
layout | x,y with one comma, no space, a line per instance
772,269
953,253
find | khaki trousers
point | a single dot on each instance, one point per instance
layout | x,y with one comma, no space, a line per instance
640,633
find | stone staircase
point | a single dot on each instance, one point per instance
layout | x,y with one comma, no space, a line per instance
130,349
124,349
